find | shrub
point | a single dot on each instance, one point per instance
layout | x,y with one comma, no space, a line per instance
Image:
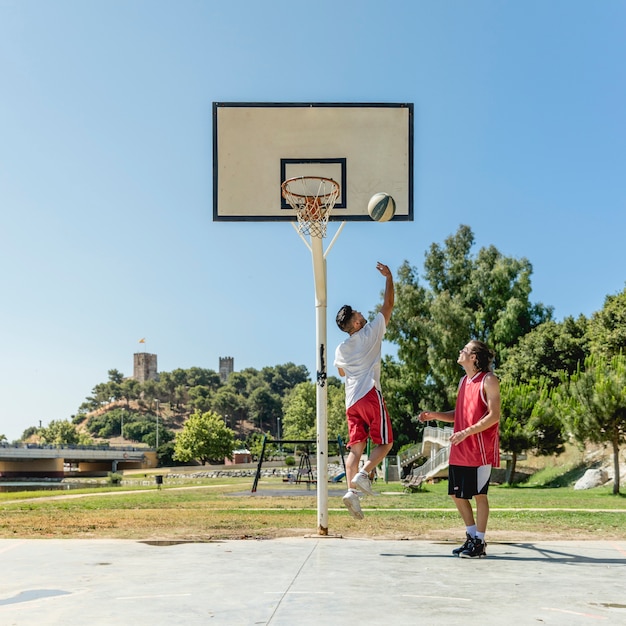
115,478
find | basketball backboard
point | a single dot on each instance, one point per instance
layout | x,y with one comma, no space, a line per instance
366,147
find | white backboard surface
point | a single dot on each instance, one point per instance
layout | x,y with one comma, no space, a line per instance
366,147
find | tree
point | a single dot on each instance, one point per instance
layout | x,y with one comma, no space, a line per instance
337,424
115,376
150,389
265,407
29,432
130,389
607,327
204,437
198,376
180,396
548,351
300,412
167,387
527,421
239,381
403,397
200,398
281,378
229,404
103,393
595,401
517,402
59,432
485,297
149,438
142,429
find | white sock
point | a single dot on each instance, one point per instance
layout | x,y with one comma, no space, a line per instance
480,536
471,531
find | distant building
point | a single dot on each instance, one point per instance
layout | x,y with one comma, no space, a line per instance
145,367
227,367
239,456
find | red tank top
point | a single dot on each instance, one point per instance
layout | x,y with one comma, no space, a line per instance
471,406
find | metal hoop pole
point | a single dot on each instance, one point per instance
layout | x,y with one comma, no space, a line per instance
313,211
321,395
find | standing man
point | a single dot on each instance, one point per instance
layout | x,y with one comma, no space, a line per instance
358,359
475,443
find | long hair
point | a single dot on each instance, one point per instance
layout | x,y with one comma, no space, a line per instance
485,356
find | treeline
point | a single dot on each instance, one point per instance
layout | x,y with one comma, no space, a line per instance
249,395
250,403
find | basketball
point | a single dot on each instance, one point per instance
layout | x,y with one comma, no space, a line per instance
381,207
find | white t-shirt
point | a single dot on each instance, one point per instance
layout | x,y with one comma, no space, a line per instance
359,357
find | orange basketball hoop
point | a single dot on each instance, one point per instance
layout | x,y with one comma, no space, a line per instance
313,199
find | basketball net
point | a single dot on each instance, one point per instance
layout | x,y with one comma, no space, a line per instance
313,199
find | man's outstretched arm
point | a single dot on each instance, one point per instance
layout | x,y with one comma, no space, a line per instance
389,297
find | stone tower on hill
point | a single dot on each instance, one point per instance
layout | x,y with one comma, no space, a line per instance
145,367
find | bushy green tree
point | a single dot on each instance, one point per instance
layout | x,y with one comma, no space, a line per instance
265,408
403,397
130,389
594,400
140,429
198,376
484,296
200,398
29,432
548,351
281,378
204,437
300,412
59,432
115,376
230,404
528,422
607,327
255,442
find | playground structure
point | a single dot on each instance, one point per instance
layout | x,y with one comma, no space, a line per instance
304,467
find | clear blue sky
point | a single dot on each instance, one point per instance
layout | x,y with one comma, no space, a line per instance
106,232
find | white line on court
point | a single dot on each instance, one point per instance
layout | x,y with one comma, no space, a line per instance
155,595
412,595
293,593
591,615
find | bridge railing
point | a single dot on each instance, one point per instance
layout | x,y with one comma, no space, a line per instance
68,446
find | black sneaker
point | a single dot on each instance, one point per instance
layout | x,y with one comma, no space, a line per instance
465,546
476,550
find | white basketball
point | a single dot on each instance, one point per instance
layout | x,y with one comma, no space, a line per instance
381,207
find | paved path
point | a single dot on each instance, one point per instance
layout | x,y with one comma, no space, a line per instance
315,581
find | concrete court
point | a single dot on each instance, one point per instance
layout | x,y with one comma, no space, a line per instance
302,581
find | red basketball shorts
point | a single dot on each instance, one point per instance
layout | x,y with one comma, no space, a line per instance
368,417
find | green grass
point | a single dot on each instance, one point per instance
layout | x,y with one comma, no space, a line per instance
218,508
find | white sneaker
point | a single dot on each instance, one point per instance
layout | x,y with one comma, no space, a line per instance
362,482
351,502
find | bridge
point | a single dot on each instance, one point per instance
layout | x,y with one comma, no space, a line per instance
26,460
